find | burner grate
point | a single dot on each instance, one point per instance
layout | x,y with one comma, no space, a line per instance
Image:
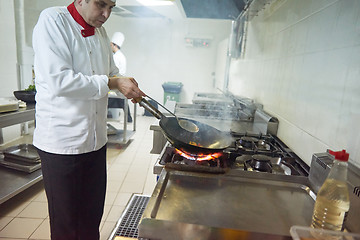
238,156
127,225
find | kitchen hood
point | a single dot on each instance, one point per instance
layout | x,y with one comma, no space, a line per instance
213,9
205,9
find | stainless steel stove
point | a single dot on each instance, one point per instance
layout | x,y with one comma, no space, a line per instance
249,189
249,152
217,202
255,189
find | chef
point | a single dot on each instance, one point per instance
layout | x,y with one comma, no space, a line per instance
74,67
117,41
116,99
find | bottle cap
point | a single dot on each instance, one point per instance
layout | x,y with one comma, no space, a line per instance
340,155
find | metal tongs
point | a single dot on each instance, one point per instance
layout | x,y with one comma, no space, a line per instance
183,123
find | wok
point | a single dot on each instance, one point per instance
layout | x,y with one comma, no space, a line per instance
189,135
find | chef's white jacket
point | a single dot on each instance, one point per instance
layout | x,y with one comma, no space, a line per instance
120,62
71,77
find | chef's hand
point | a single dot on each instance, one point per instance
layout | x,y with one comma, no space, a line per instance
127,86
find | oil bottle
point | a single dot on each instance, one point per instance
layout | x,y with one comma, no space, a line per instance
332,201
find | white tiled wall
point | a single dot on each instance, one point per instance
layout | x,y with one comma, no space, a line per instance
8,60
302,62
156,52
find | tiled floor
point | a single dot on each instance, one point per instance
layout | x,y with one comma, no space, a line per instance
25,216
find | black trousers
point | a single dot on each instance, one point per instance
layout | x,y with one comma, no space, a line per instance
75,187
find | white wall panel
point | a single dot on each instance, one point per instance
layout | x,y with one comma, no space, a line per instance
302,63
156,52
8,61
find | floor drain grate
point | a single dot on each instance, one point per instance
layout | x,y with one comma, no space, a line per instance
127,225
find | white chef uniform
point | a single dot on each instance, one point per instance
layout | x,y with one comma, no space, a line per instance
120,62
119,58
71,84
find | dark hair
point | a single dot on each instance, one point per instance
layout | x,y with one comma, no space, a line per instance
116,45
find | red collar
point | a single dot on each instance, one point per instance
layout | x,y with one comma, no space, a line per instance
88,29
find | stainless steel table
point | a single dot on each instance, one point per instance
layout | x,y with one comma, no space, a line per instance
16,117
123,136
19,116
187,205
12,181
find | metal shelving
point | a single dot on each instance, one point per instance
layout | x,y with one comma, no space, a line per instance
122,136
12,181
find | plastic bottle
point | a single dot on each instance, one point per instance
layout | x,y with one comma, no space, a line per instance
332,201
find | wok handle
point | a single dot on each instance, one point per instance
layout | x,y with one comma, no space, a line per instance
147,105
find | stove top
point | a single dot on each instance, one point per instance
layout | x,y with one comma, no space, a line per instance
248,152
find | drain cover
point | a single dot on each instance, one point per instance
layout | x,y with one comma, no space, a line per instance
127,225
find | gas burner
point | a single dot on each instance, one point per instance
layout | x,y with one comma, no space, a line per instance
257,153
263,145
208,163
259,163
262,163
248,142
198,156
197,159
254,145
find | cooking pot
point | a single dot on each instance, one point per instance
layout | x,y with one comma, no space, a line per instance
186,134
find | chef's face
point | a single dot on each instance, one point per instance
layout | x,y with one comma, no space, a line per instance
113,47
95,12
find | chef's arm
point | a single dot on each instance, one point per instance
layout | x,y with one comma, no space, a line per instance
126,85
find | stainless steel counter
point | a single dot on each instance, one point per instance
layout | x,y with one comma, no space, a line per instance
123,136
16,117
190,205
159,139
12,181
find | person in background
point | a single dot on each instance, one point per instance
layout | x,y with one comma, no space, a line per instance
115,98
74,66
117,41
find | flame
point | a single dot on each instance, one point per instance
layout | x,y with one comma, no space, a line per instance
199,156
195,144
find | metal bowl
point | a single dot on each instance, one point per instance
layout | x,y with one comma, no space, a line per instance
26,96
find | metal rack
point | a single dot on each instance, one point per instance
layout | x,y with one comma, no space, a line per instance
122,136
20,116
13,182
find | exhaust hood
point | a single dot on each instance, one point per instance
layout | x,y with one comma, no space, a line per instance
213,9
207,9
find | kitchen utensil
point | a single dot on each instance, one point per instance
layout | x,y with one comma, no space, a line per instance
26,96
184,123
22,152
187,134
8,105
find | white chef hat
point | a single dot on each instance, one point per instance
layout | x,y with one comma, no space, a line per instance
118,38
